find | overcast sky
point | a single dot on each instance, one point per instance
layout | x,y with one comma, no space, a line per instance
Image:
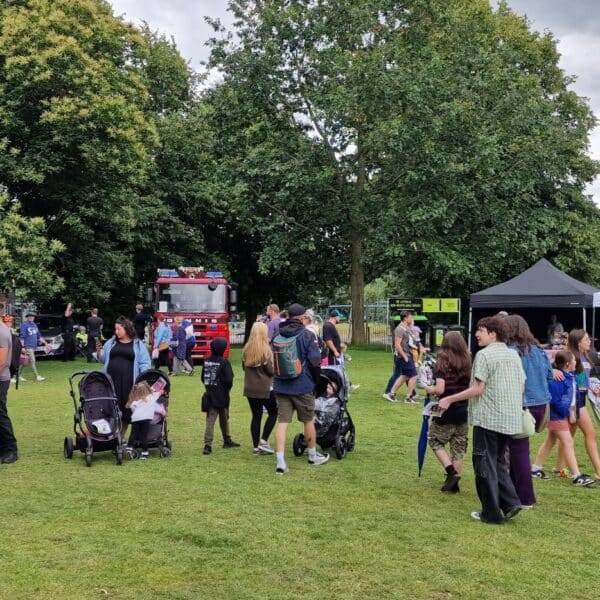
575,23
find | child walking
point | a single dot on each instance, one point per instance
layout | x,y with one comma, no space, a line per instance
143,405
217,376
562,404
452,372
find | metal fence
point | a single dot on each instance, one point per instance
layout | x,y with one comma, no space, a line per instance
377,328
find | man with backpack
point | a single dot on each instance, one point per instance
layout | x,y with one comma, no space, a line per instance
8,443
296,358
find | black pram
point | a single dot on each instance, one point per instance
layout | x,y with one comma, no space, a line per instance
333,423
158,434
97,419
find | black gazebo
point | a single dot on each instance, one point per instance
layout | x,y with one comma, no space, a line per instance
537,293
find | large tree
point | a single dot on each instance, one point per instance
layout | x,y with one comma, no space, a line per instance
452,142
75,138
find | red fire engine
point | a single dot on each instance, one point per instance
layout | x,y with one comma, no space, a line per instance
203,298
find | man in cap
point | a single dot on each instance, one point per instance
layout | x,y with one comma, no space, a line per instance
8,443
295,392
331,337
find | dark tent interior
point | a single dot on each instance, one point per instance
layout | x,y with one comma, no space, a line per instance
536,294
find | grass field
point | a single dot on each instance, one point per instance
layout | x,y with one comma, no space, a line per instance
224,526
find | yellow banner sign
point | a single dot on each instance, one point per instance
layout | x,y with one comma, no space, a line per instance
449,305
431,305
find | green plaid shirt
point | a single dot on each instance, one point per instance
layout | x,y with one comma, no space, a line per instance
499,407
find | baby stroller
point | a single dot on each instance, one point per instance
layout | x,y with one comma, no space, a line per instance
158,433
97,419
333,422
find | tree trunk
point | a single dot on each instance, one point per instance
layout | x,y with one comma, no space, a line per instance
357,289
357,272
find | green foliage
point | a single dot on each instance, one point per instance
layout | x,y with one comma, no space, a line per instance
26,254
76,140
448,142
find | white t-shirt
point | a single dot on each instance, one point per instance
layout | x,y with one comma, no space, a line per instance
143,410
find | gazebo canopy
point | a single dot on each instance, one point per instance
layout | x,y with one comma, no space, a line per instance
542,285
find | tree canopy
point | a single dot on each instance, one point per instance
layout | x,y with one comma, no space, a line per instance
446,131
435,143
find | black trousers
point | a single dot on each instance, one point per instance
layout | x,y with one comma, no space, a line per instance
91,347
8,443
163,359
492,478
69,346
256,406
139,433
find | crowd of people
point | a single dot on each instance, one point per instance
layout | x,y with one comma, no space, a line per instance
510,379
124,356
509,374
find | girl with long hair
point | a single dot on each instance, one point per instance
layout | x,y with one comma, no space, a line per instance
558,427
580,344
452,372
536,398
257,362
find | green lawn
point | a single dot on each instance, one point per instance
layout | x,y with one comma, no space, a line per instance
224,526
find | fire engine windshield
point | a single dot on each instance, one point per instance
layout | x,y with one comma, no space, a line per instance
191,297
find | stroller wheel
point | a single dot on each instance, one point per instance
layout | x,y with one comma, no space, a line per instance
88,457
68,447
351,441
340,447
299,444
165,452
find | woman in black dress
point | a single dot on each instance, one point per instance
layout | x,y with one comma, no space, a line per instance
124,357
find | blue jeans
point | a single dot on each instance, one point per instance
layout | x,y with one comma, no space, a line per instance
397,372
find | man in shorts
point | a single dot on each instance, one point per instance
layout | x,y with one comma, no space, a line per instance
297,393
404,364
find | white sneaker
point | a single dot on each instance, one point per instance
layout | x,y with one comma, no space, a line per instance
265,449
13,380
390,396
319,459
39,378
21,378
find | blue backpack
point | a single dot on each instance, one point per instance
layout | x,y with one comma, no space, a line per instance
286,362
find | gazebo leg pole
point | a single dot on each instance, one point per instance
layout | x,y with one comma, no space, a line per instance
470,325
584,320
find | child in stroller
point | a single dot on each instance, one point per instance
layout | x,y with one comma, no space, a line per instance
333,423
149,401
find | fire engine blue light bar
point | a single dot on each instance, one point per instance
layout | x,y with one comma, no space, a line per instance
167,273
215,274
